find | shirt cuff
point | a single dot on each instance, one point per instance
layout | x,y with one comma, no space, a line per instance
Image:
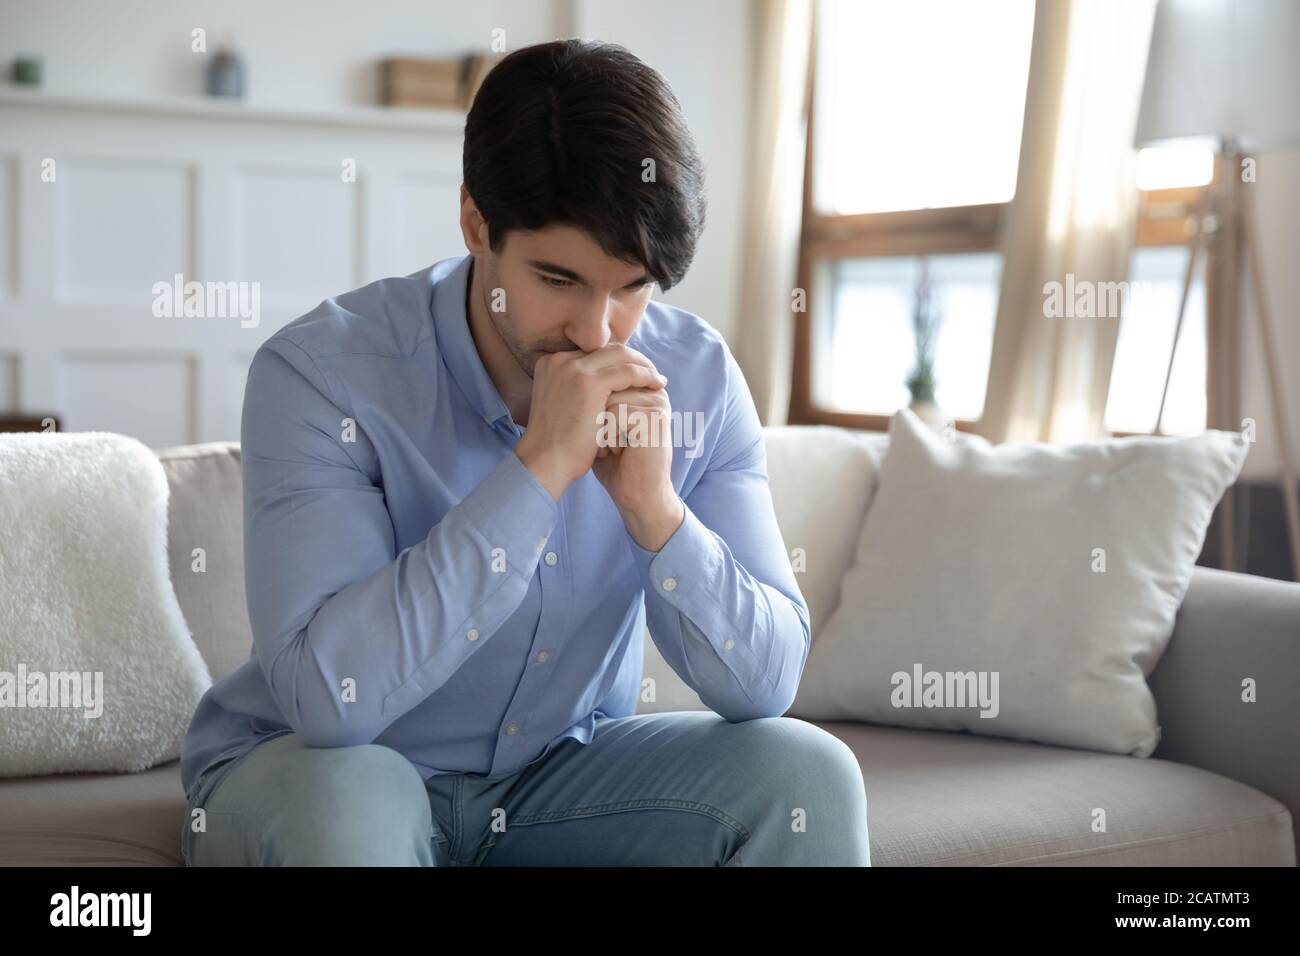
690,561
513,511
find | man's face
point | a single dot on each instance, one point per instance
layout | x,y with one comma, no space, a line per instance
556,290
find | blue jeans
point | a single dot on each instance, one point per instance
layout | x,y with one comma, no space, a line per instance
685,788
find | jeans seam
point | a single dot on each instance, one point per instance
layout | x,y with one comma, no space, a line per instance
691,806
457,824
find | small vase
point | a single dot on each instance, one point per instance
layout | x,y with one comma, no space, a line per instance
226,75
27,71
928,412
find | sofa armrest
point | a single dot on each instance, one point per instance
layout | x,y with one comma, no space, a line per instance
1231,627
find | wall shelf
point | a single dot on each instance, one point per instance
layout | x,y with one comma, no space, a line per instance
204,107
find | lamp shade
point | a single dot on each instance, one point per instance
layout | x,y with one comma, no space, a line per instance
1223,68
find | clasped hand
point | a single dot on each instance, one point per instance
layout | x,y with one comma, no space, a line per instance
579,401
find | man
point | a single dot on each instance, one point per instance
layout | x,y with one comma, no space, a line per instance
451,554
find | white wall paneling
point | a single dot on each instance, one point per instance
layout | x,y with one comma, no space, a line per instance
219,193
8,381
119,224
8,227
296,231
151,394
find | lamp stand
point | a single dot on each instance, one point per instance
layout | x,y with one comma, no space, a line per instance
1235,211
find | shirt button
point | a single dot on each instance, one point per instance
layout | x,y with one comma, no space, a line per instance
542,656
551,558
472,634
728,643
513,728
670,583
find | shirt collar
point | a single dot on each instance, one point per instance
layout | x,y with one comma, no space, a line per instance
456,344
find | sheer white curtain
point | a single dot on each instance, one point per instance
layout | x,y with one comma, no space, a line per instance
1074,213
782,31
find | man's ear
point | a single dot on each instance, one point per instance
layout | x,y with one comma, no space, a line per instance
473,227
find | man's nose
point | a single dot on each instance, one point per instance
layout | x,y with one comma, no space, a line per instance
591,330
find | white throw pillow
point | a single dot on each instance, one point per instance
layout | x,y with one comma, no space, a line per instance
97,668
1022,590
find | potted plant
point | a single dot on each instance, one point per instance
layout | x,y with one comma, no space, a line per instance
925,331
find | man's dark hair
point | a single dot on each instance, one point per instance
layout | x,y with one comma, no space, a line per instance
559,133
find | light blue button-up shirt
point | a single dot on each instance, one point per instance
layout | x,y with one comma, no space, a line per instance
410,583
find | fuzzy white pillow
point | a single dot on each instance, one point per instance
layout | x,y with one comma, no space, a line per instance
98,671
1022,590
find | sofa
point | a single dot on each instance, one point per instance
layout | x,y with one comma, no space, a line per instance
1222,788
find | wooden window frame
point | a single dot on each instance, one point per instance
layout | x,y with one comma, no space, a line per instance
1163,220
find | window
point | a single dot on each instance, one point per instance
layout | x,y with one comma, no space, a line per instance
909,176
1172,180
867,363
1146,333
929,141
903,203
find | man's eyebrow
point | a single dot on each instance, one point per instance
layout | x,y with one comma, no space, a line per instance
559,270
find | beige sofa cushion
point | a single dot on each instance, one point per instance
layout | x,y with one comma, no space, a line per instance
822,480
93,819
946,798
206,511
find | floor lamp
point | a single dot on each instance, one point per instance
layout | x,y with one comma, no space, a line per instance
1229,70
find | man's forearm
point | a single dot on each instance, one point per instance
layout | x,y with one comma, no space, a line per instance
740,643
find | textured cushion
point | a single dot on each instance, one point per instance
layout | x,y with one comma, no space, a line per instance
97,669
1024,590
207,511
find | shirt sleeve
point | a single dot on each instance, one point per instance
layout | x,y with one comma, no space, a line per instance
350,634
722,604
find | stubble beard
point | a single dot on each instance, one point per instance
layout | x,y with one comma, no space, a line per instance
524,356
